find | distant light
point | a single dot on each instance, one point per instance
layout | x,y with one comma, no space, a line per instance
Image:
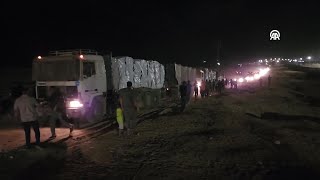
300,58
81,56
218,64
39,57
241,80
309,57
277,61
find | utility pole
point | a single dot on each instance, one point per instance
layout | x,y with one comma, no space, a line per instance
218,52
218,61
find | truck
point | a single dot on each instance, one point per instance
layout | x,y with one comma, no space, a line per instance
87,78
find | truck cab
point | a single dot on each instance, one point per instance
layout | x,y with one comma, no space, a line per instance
80,75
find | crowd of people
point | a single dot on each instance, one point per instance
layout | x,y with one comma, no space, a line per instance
205,88
26,110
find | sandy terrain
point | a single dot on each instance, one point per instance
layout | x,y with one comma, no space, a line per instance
250,133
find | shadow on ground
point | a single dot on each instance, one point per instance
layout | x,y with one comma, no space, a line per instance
33,163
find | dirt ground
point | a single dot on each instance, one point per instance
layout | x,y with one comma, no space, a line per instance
250,133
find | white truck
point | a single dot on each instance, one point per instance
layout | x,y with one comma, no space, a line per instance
85,76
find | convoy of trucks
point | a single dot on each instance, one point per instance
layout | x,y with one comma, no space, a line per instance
86,77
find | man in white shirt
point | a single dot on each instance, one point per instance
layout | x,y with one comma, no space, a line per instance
25,111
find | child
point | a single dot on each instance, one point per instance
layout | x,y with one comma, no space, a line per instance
120,119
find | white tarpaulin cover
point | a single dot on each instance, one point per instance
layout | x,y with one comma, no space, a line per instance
141,73
184,73
209,74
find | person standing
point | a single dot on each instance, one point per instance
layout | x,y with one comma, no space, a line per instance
203,88
56,103
189,89
207,88
119,118
269,81
231,83
235,82
129,107
220,84
25,111
183,95
196,90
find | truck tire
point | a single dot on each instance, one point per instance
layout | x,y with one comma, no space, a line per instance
96,111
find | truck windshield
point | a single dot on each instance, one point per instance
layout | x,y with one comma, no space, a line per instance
60,70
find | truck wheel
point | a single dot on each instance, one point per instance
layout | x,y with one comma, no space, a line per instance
96,111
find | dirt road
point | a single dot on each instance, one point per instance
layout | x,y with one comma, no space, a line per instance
249,133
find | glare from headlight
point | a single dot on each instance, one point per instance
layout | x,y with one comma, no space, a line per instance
75,104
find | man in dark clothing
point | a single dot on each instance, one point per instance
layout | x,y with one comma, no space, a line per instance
129,107
220,84
189,89
269,81
183,95
231,83
196,90
207,88
203,88
57,111
223,84
210,87
214,85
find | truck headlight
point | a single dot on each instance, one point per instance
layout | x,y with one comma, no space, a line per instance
75,104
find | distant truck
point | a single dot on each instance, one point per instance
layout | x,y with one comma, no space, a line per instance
86,77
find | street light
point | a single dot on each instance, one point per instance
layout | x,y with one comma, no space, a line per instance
204,61
309,57
218,64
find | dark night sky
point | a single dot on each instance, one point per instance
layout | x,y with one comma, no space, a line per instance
186,32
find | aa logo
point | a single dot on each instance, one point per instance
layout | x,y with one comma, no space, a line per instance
275,35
